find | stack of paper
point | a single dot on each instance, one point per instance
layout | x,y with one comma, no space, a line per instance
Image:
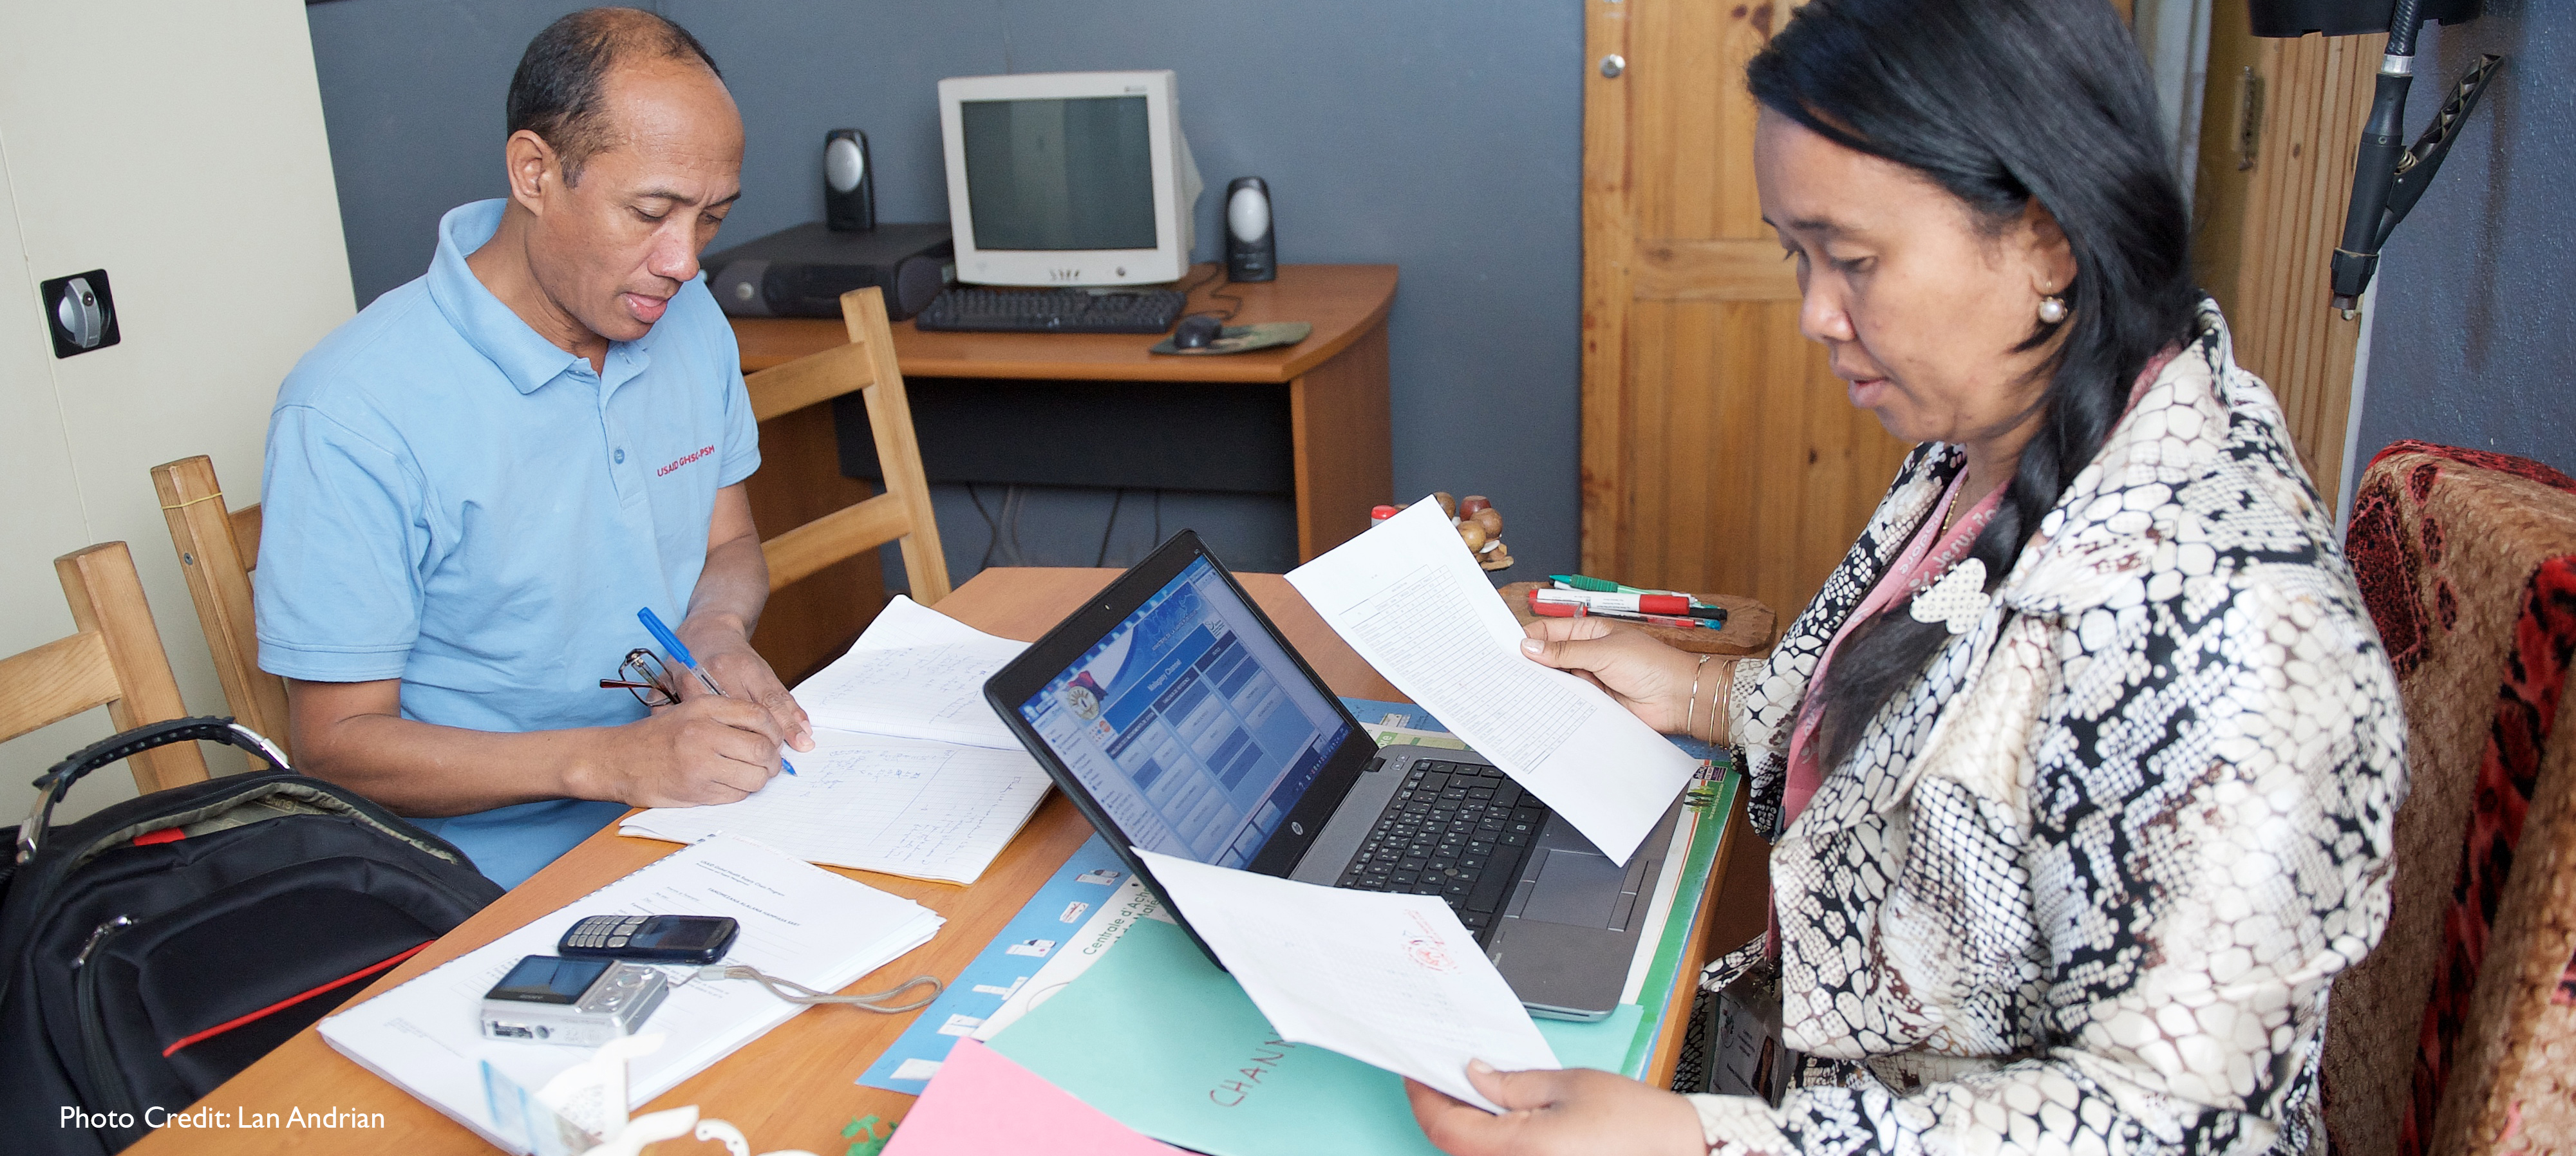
915,673
901,806
1411,601
912,774
799,922
1393,981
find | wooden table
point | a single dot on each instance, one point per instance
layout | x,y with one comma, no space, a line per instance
1336,378
793,1088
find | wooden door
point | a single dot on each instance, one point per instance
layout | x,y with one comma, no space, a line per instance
1719,452
2277,142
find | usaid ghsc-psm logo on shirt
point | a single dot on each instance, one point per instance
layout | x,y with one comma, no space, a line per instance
701,452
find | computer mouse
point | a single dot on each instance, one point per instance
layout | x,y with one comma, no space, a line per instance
1197,330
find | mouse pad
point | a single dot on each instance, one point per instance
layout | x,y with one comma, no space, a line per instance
1244,338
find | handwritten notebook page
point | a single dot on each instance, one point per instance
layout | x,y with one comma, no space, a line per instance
1394,981
1409,598
930,810
915,673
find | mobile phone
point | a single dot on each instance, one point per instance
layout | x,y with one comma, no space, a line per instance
586,1002
656,938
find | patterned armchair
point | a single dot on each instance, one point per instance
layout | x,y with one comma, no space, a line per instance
2458,1035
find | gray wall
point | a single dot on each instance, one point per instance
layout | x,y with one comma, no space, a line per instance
2474,343
1444,137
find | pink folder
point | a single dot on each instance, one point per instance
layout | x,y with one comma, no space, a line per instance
981,1102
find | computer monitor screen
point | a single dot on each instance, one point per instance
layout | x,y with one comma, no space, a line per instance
1189,724
1060,174
1078,179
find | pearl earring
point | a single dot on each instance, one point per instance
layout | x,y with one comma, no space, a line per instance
2052,310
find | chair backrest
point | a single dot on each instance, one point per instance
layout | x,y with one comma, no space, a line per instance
115,661
2455,1034
218,549
865,366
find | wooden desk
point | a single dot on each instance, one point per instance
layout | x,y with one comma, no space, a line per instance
1337,378
793,1087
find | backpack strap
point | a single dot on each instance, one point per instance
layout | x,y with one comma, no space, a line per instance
57,780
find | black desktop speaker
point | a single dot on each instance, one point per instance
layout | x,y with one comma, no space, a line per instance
849,182
1251,244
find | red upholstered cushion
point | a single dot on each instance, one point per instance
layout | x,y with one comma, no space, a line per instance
2452,1036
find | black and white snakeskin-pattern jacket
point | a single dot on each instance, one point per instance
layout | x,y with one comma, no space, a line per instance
2084,887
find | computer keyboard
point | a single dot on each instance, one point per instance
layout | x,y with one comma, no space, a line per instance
1457,830
1051,311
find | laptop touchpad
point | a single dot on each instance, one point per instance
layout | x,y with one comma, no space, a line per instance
1577,887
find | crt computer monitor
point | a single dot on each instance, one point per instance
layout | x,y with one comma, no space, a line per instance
1068,178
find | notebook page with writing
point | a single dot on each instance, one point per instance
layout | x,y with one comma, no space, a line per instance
1408,597
930,810
915,673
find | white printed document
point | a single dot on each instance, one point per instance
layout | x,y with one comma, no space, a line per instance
1408,597
799,922
915,673
930,810
1393,981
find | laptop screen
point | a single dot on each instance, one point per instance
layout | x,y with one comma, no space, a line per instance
1188,724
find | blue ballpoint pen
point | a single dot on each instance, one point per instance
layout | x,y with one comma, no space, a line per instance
681,655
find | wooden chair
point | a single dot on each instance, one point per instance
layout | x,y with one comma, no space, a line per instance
2457,1034
116,661
217,551
866,366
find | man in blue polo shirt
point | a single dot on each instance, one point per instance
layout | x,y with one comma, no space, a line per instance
474,484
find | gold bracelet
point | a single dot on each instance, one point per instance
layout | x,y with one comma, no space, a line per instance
1690,706
1718,695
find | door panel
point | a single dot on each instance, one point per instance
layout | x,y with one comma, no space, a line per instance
2318,95
1720,454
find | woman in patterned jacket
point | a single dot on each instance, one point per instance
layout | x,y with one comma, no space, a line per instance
2080,768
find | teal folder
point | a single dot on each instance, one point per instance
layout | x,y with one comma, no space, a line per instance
1158,1038
1163,1041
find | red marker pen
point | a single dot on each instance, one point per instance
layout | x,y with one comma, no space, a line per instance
1618,603
1552,608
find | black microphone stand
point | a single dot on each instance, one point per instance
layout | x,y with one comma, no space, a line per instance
2388,178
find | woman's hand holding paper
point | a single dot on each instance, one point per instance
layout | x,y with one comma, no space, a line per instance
1649,678
1575,1110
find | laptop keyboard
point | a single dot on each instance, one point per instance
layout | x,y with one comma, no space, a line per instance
1456,830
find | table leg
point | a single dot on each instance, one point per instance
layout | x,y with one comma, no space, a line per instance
1345,454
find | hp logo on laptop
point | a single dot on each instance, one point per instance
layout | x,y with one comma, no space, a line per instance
1299,828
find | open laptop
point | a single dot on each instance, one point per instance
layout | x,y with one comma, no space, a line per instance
1171,712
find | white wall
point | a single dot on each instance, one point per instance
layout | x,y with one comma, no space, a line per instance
179,145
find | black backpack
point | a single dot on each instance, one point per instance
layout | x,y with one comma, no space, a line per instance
152,950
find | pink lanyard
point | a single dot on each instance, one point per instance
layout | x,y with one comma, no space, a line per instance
1922,564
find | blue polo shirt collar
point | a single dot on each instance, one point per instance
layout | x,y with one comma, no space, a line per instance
527,359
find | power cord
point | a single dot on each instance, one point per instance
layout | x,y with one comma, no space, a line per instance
797,993
992,531
1014,503
1235,302
1102,558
